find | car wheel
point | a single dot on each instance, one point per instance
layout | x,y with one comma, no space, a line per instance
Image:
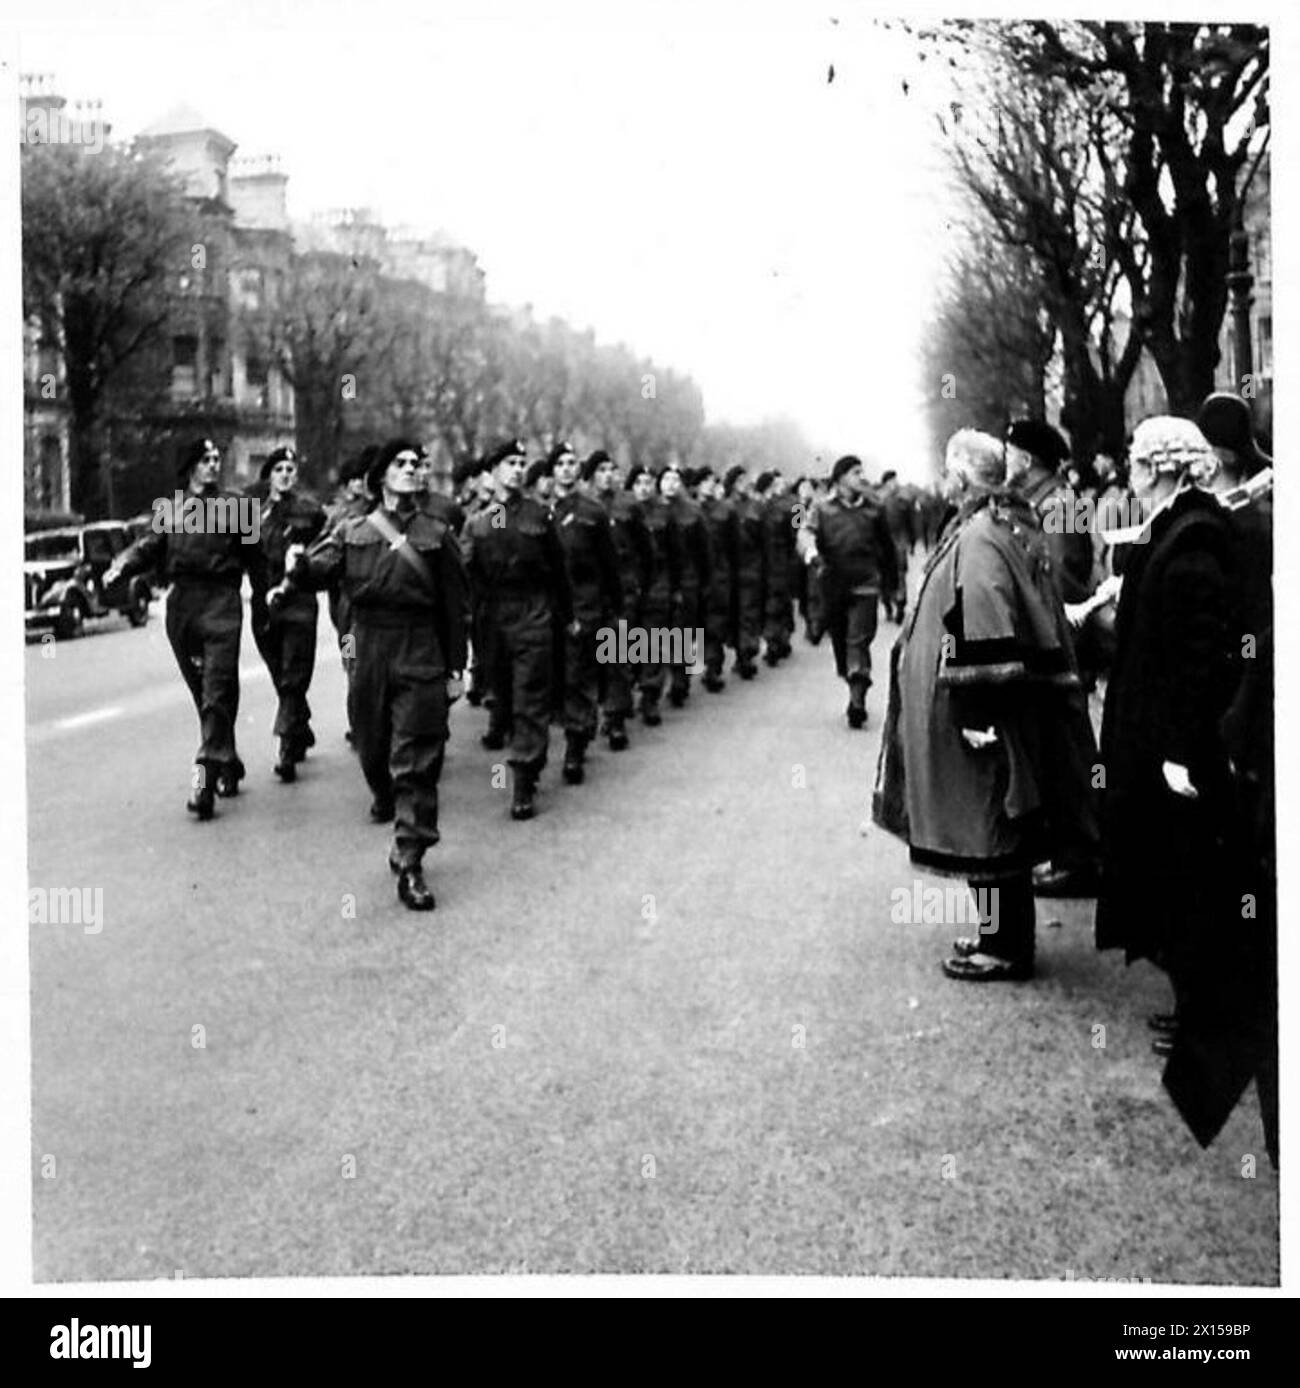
137,610
72,621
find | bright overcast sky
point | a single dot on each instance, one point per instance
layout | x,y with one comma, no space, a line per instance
683,179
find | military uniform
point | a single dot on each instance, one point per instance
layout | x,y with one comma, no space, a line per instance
516,568
591,567
856,565
719,606
778,602
204,619
659,596
634,558
750,583
286,638
409,635
696,575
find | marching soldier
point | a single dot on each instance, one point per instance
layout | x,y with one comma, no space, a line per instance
205,567
286,638
849,546
516,567
778,543
719,606
591,566
632,549
693,548
662,589
351,502
750,576
401,571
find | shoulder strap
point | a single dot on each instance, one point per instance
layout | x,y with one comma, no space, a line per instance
398,542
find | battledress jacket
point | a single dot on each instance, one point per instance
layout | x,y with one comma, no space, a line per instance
987,644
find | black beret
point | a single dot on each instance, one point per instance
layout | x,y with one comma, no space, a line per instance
285,453
635,471
845,464
509,448
887,476
729,477
559,451
540,468
1040,440
192,453
384,456
763,481
702,472
593,462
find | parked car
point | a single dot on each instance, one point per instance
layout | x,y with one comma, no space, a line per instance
63,573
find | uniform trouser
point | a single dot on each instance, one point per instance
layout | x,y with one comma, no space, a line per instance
717,629
655,613
287,642
902,549
851,622
203,626
399,699
749,617
1007,914
581,682
518,658
778,616
690,614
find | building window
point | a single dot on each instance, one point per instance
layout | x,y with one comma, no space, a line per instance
185,356
255,374
249,289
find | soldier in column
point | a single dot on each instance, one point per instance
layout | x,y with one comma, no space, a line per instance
750,571
477,494
205,565
849,546
696,572
662,591
351,501
778,543
632,548
516,568
720,598
591,567
286,638
897,505
402,572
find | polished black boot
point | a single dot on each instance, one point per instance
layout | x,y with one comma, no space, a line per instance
617,734
286,768
201,802
525,784
575,749
412,889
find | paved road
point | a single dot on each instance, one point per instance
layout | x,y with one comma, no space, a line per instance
668,1026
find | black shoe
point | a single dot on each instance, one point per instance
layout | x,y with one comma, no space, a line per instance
201,803
770,657
650,715
382,810
414,890
966,945
1163,1045
857,716
677,697
618,737
525,783
715,684
745,670
493,740
1065,882
228,779
573,770
286,770
986,968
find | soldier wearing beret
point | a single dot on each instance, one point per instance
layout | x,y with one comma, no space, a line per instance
849,545
205,567
405,583
779,553
663,586
750,571
696,569
516,567
720,598
632,549
286,638
591,566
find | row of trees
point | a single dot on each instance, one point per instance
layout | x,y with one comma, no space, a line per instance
1101,169
110,274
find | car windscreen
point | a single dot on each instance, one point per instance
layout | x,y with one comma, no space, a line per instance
44,548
